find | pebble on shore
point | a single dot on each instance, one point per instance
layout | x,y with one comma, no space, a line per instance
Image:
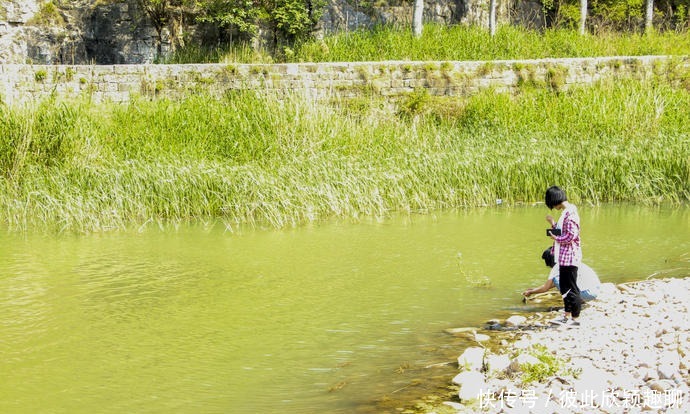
631,354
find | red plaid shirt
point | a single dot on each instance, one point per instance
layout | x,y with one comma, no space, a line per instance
568,249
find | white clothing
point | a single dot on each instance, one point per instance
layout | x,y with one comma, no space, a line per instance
572,210
587,280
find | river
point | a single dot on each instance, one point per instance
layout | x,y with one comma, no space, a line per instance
333,317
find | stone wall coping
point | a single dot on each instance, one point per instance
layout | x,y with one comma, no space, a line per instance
358,63
26,83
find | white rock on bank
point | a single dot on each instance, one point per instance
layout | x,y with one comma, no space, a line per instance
516,320
607,290
481,337
472,359
632,342
454,405
668,365
591,383
646,357
457,331
661,385
497,363
471,383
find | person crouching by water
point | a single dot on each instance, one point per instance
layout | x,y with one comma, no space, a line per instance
587,280
566,251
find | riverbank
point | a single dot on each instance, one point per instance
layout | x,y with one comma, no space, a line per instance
260,161
630,354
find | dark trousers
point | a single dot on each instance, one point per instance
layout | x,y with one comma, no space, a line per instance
568,284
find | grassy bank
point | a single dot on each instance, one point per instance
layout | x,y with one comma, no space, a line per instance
474,43
250,159
449,43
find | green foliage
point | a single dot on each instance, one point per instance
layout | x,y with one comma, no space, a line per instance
11,128
50,126
288,19
414,103
69,74
681,20
34,138
486,68
240,15
568,16
548,366
291,17
228,53
170,15
556,77
48,15
617,15
486,111
283,161
40,75
440,43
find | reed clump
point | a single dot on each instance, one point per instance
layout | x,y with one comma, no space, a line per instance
262,160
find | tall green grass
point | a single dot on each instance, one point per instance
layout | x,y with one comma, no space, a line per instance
439,43
241,52
475,43
257,159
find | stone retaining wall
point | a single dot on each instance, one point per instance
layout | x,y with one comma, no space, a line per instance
22,84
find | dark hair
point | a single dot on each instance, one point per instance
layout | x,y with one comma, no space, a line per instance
548,257
554,196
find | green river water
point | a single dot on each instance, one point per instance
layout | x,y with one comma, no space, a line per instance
337,317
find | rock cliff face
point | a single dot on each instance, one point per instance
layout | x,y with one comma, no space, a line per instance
13,19
118,32
75,32
342,15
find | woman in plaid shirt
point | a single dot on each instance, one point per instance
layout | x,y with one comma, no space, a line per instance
567,252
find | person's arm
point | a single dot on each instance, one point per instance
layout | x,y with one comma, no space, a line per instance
569,231
541,289
551,220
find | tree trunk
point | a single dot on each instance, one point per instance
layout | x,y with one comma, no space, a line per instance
492,17
583,16
649,16
417,18
159,47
